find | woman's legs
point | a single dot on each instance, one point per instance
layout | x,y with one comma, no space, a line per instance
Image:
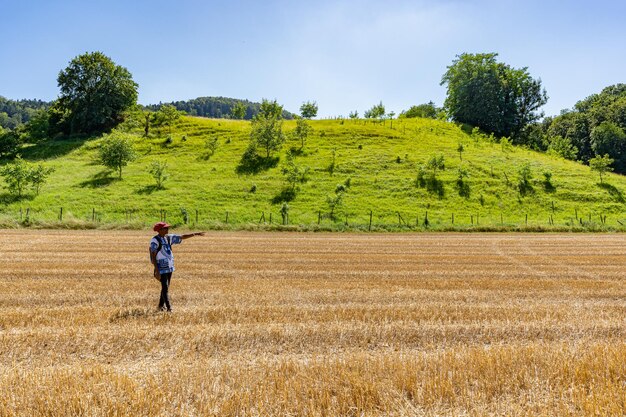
165,298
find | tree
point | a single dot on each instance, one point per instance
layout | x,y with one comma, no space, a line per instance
95,92
601,164
608,138
16,175
562,147
267,127
376,112
302,131
354,115
116,152
493,96
428,110
460,149
596,125
334,202
166,116
390,116
238,111
38,127
293,173
10,142
38,176
308,110
436,163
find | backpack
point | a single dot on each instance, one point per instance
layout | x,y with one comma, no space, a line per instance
158,238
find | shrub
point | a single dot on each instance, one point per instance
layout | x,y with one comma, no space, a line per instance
158,170
210,146
20,174
17,176
39,176
524,180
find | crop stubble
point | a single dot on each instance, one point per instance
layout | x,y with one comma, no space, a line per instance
314,324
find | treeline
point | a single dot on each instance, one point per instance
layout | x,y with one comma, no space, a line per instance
596,126
14,113
216,107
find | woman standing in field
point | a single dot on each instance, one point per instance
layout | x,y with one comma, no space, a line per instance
162,258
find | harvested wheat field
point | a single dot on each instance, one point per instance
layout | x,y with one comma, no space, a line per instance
314,325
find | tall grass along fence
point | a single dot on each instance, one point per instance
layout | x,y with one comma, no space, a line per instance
281,218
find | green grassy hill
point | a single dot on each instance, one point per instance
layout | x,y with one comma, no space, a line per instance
378,161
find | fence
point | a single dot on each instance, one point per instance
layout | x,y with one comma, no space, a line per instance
369,220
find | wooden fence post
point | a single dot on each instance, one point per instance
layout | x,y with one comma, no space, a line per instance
61,214
226,217
369,228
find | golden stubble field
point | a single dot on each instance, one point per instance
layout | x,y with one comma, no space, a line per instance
314,325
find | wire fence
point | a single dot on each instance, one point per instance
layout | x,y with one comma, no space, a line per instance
368,220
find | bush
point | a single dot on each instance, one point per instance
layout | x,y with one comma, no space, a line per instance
10,142
39,176
462,186
524,180
158,170
20,174
547,181
17,176
210,146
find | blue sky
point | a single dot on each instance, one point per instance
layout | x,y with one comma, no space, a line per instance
346,55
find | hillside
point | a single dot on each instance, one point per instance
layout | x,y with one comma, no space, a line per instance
376,163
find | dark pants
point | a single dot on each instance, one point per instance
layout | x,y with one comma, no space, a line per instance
165,286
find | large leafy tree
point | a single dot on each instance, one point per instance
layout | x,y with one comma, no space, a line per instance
493,96
94,94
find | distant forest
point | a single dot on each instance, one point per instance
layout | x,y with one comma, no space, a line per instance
215,107
16,112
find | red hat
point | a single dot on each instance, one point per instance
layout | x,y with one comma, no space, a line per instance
160,225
